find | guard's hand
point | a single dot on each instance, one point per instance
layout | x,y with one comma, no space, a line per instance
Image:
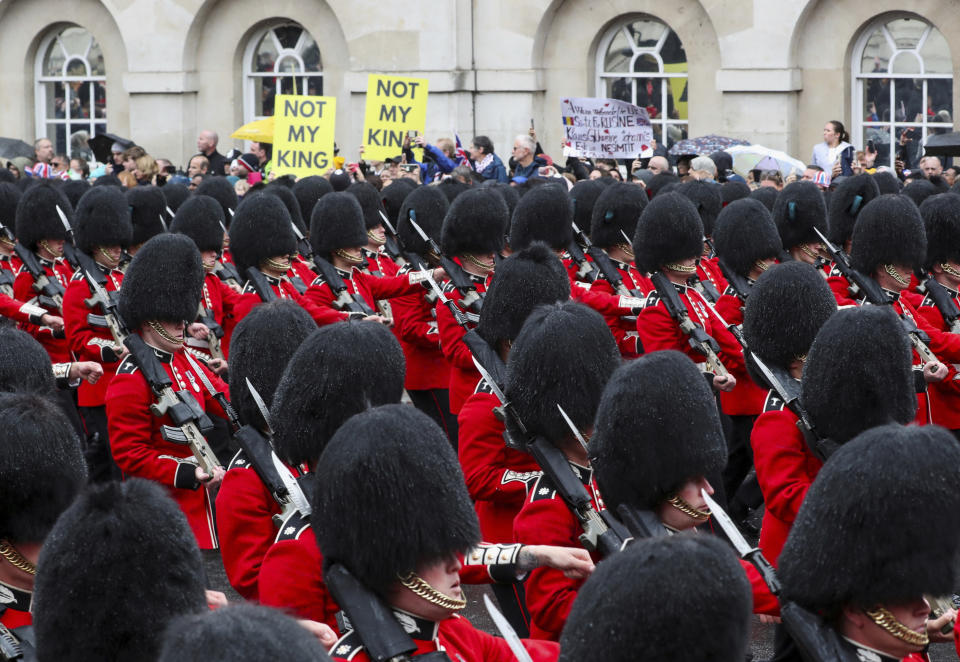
219,366
89,370
236,288
215,599
378,318
323,632
121,351
935,625
54,322
767,619
934,372
208,481
198,330
439,274
573,562
725,383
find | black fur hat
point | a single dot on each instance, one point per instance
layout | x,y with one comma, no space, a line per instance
163,282
584,195
643,455
74,190
24,363
941,219
221,190
9,200
337,222
261,229
452,189
846,203
787,306
430,207
889,230
339,370
800,208
669,230
564,356
767,195
115,536
543,214
147,208
370,203
175,195
858,374
41,463
392,468
705,196
260,348
105,180
919,190
744,233
289,200
510,195
659,181
532,277
392,197
614,611
615,213
863,535
37,216
240,633
730,191
201,219
307,191
475,223
887,182
102,219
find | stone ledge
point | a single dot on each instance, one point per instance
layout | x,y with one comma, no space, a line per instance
759,80
160,82
463,80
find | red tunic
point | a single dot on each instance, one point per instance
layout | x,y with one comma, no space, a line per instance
284,289
463,374
15,606
139,449
221,301
88,342
944,396
60,272
362,286
415,323
746,398
623,326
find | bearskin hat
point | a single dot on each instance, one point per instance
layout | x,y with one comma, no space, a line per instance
37,216
201,219
370,203
41,463
338,371
669,230
221,190
475,223
392,468
452,189
887,182
584,195
6,176
941,219
683,574
564,356
800,208
889,230
116,536
863,535
148,210
175,195
705,196
392,197
289,200
261,229
787,306
543,214
643,455
239,633
307,191
659,181
74,190
744,233
527,279
105,180
337,222
163,282
846,202
919,190
24,363
615,213
9,201
430,207
102,219
858,374
510,195
767,195
730,191
260,348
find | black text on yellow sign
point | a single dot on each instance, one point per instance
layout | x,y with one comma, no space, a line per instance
395,105
303,135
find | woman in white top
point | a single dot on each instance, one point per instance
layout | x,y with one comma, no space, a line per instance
834,154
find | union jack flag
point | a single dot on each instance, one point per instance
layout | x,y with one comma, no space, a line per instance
461,152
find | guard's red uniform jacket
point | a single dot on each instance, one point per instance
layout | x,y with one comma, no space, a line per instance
944,396
284,289
138,447
301,268
15,606
88,340
415,323
624,326
746,398
785,470
14,308
362,286
497,477
221,301
545,519
456,636
379,264
463,374
708,269
60,272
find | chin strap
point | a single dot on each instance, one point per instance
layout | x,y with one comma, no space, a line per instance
681,268
278,266
628,249
420,587
684,507
486,266
43,244
158,328
883,618
376,239
761,265
352,259
806,250
948,269
15,558
896,275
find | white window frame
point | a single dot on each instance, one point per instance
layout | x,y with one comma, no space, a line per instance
249,89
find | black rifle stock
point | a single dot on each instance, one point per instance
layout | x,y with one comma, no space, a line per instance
260,285
469,296
49,292
941,299
739,284
344,301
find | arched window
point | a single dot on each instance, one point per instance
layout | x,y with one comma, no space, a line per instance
903,88
71,93
642,61
282,59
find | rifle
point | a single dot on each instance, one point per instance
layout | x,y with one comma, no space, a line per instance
603,262
189,419
941,299
344,300
49,293
70,253
18,644
219,396
586,270
206,318
106,300
7,277
705,287
260,285
739,284
393,246
470,298
227,273
303,244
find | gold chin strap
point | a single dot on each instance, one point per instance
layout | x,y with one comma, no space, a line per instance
352,259
15,558
761,265
896,275
7,242
487,266
156,326
43,244
950,270
628,249
106,255
420,587
279,266
681,268
684,507
375,239
892,626
807,251
209,266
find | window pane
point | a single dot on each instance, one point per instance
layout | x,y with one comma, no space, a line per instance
618,88
618,54
650,95
658,132
76,67
95,58
646,63
912,149
876,54
288,65
876,99
936,54
314,85
673,56
908,100
75,40
675,133
310,53
940,100
906,32
905,62
288,35
265,55
263,93
290,85
676,98
881,142
57,133
53,60
646,33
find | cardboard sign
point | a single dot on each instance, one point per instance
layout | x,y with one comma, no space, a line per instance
395,105
605,128
303,135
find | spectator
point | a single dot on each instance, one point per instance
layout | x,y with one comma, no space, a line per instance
487,164
264,154
44,168
810,173
704,169
931,166
658,164
950,174
438,160
771,178
146,170
129,161
79,169
207,145
834,154
199,165
116,154
527,163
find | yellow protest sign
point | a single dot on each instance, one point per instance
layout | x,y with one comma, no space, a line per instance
303,135
395,105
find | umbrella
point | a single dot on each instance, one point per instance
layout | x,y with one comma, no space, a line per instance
10,148
758,157
704,145
102,142
942,144
260,131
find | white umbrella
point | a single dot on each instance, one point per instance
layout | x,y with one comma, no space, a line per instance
758,157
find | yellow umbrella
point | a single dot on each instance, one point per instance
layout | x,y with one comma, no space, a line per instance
260,131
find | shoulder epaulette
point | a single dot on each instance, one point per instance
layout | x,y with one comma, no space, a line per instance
774,402
239,461
128,366
293,527
542,489
528,478
652,299
347,646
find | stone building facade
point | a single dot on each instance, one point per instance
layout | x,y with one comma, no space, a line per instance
770,71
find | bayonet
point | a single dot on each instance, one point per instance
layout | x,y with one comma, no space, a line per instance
506,631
